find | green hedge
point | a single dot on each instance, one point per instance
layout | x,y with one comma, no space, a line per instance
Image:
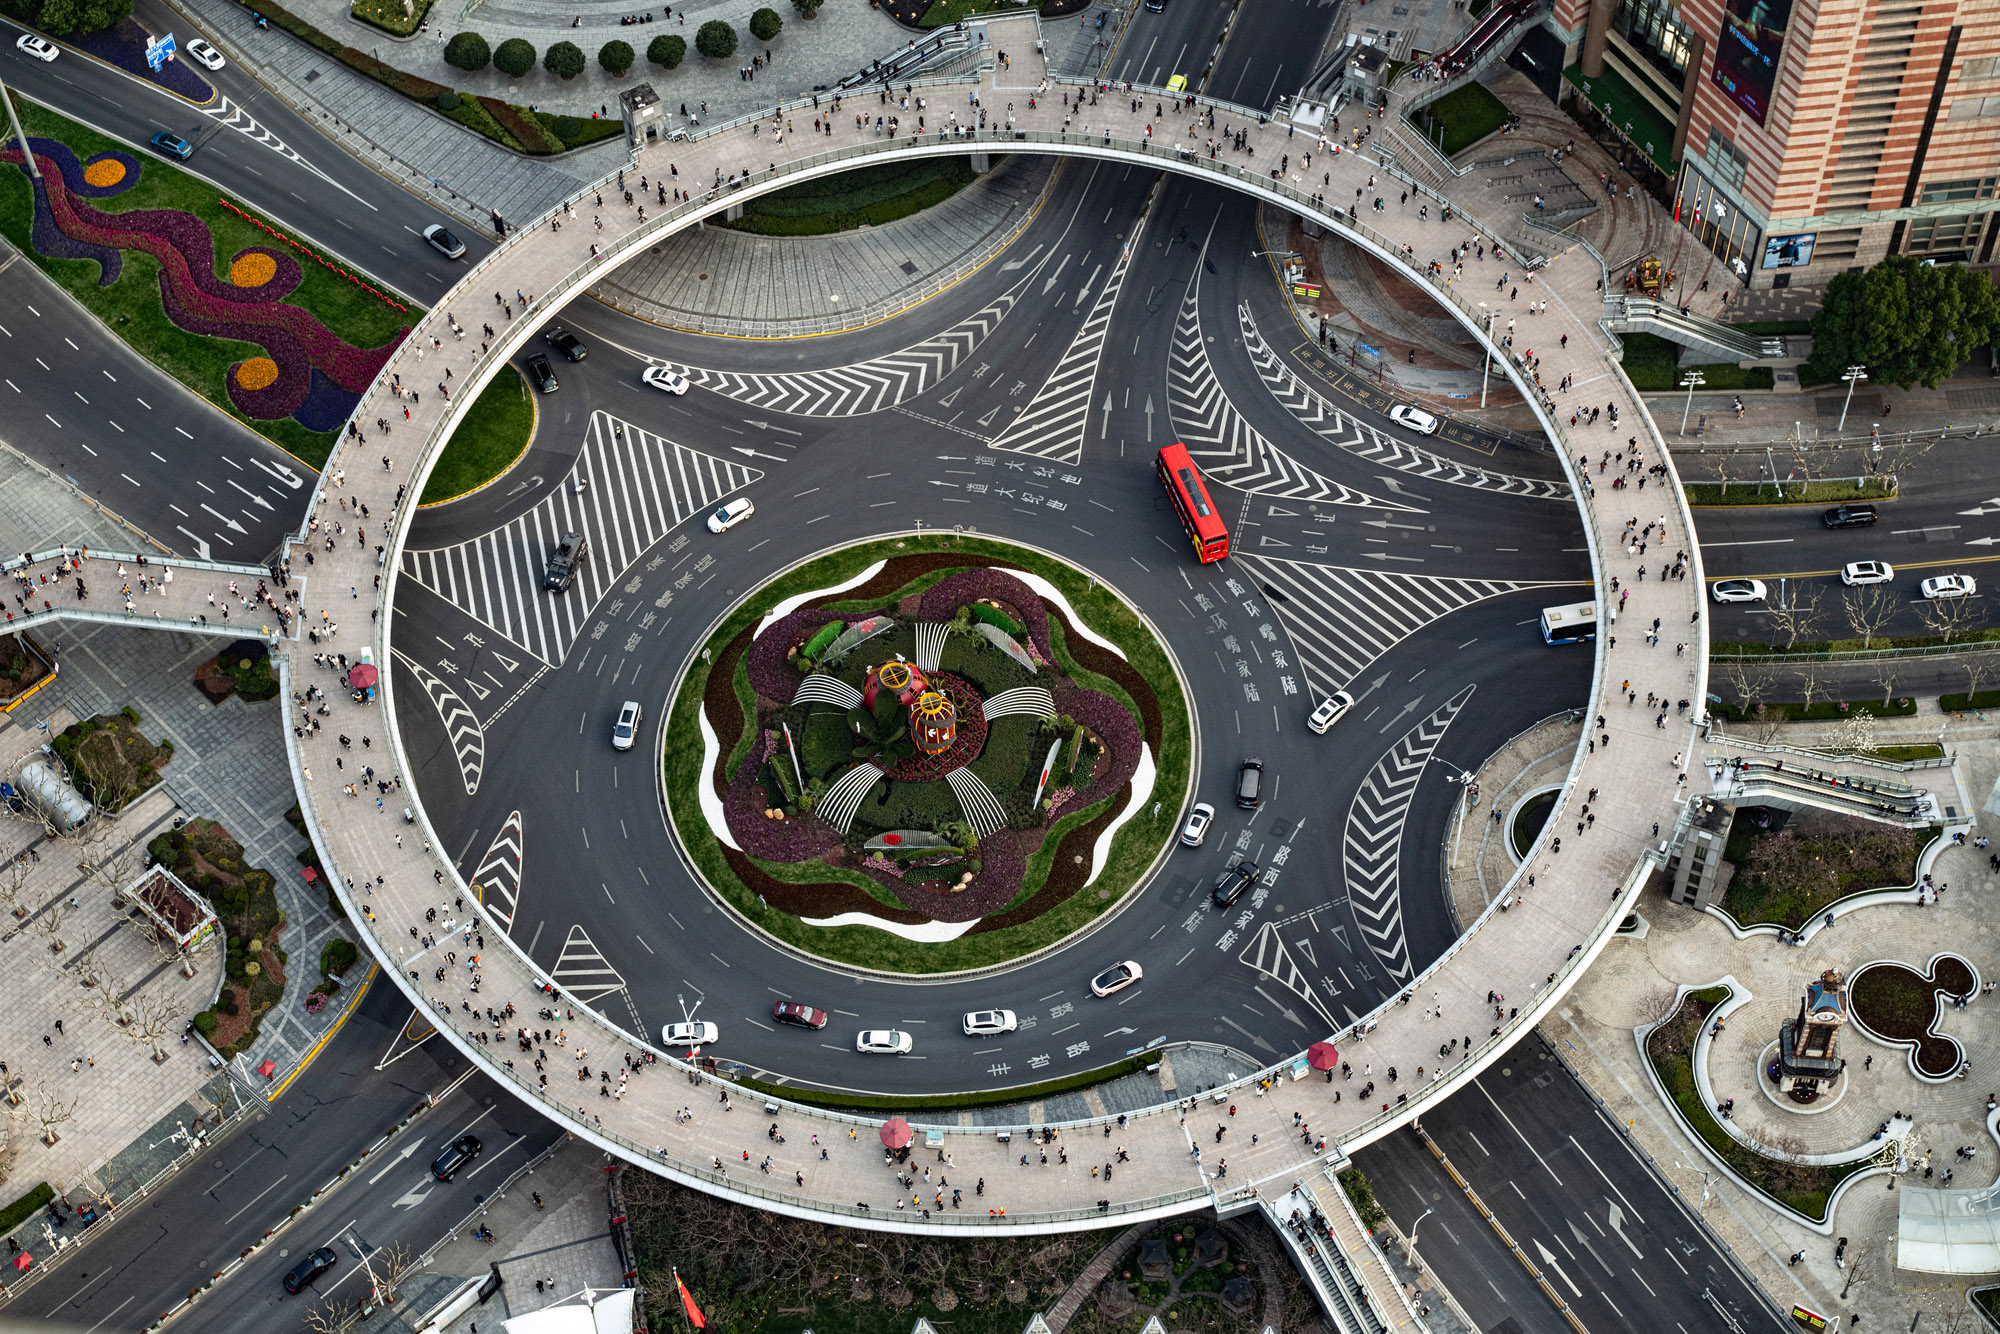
1985,699
339,955
24,1208
1652,363
996,618
1468,114
1360,1193
1822,710
867,197
917,1103
1715,494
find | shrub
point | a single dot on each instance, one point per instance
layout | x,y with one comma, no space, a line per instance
715,39
514,57
564,60
76,18
338,956
568,127
448,101
468,51
616,58
995,617
806,8
667,52
765,24
204,1023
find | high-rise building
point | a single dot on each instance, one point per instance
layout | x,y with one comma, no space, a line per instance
1803,139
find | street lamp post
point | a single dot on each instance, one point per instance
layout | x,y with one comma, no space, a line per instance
14,117
1486,367
1413,1237
1690,382
1853,374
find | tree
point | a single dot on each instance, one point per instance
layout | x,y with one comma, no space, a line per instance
514,57
1886,672
765,24
807,8
75,18
1908,322
1947,618
616,57
564,60
667,52
1869,608
50,1109
468,51
715,39
1801,616
1856,733
1812,684
1977,666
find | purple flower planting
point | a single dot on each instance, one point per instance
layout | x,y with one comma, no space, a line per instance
125,46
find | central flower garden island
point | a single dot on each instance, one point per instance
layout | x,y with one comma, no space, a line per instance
928,755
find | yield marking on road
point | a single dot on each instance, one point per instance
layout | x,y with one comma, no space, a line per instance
461,725
869,386
637,487
1233,451
583,971
1372,846
497,881
1334,426
1266,954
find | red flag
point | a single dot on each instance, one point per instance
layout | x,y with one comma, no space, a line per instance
694,1315
1677,208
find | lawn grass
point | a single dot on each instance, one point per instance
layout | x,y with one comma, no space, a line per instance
1788,879
388,15
869,196
494,432
132,309
1131,852
1960,702
914,1104
1716,494
1468,115
1652,364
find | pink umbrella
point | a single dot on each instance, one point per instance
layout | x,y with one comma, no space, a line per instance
896,1133
1322,1056
362,676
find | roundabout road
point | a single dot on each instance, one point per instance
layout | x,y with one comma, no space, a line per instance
566,835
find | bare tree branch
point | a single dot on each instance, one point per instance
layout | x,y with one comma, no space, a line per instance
1869,607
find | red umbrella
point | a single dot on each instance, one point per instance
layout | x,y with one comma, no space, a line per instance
362,676
268,1068
1322,1056
896,1133
22,1261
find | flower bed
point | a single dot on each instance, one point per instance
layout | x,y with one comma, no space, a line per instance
1904,1006
124,45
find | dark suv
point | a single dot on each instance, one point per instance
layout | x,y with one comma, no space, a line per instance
457,1154
563,341
543,374
310,1268
1849,516
568,557
1229,886
1250,784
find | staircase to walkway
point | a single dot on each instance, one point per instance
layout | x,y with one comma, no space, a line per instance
1638,314
1336,1258
1746,775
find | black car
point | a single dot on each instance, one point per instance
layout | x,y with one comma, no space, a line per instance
456,1155
563,341
1849,516
1229,886
1250,784
543,374
565,561
310,1268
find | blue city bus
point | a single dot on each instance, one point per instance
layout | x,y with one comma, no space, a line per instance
1569,625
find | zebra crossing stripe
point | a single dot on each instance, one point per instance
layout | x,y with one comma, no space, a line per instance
582,971
497,880
1336,428
1232,451
461,725
1053,425
1372,845
637,486
865,387
1341,619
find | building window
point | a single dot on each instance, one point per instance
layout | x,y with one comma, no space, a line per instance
1950,192
1729,163
1936,236
1656,31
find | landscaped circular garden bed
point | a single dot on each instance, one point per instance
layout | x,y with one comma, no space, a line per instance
908,755
1903,1006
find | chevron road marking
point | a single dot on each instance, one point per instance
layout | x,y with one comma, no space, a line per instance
1372,848
1266,953
582,971
497,880
468,739
236,118
1336,428
1342,619
1233,451
637,487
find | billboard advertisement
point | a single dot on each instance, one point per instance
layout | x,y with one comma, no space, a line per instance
1789,252
1746,55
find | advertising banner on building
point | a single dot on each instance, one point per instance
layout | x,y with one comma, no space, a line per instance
1746,55
1789,252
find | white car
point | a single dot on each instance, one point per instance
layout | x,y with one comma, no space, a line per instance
1116,978
1950,586
203,54
626,730
1867,572
1329,711
41,48
989,1023
693,1033
884,1042
735,512
1415,418
1739,590
660,377
1196,828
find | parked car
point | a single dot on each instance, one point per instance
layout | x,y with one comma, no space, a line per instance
728,516
660,377
1950,586
310,1268
693,1033
456,1157
543,374
989,1023
626,730
1250,784
1330,711
1867,572
1423,423
565,342
1196,828
797,1015
883,1042
42,49
1116,978
444,242
1849,516
1739,590
175,147
569,556
204,54
1229,886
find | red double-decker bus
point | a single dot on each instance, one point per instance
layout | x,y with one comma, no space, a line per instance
1184,487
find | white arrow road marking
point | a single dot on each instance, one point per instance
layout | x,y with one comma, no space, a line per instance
1550,1260
392,1164
1617,1221
1985,507
279,471
200,547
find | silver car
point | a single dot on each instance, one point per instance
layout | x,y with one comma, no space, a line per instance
884,1042
989,1023
1739,590
693,1033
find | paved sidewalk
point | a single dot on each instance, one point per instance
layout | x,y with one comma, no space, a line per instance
1479,862
716,281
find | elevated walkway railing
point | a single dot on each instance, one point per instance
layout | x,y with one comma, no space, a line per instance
1635,314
